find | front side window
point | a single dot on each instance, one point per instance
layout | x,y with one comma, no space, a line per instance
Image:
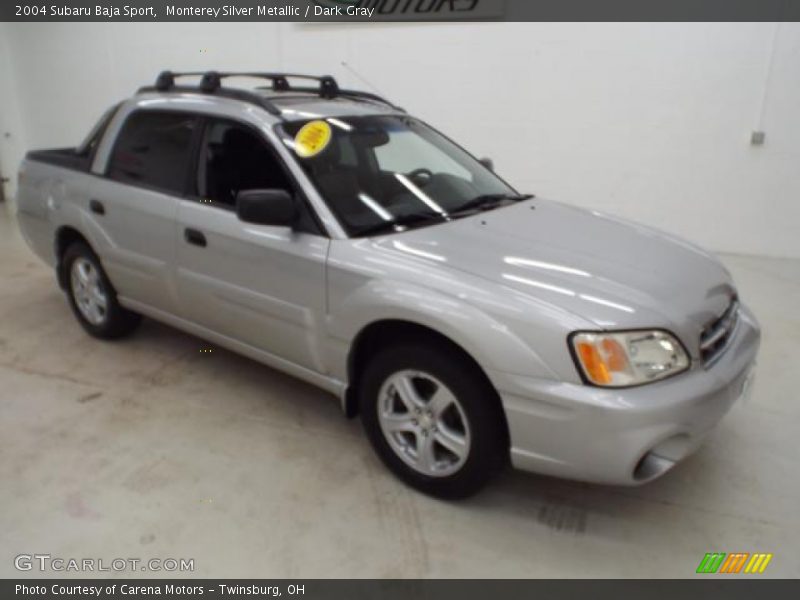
234,158
386,169
153,150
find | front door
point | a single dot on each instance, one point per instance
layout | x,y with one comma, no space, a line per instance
261,285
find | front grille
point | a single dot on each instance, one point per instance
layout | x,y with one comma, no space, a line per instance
715,336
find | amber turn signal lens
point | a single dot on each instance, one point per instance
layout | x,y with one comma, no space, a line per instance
593,363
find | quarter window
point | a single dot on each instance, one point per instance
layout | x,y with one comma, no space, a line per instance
153,150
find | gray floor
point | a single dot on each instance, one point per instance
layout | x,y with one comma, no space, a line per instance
149,448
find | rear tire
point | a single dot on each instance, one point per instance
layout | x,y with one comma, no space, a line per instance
434,420
92,297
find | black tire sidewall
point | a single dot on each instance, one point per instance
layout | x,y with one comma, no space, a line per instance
478,400
118,321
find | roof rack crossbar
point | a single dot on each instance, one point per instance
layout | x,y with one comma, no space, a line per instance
212,80
211,83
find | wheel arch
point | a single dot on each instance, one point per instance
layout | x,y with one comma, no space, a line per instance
381,333
66,235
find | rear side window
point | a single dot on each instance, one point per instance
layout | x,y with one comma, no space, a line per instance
153,149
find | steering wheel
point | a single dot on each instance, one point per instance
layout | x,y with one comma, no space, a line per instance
421,176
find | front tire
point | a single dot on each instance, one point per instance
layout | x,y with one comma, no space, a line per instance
433,419
92,297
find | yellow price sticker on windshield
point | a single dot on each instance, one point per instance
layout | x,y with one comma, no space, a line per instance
312,139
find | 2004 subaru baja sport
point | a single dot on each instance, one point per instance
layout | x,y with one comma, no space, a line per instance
327,233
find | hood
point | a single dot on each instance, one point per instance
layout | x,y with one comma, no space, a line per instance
611,272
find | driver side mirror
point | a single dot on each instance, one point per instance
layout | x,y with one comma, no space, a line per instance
487,162
266,207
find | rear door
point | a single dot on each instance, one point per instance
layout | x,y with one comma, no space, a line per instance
261,285
135,204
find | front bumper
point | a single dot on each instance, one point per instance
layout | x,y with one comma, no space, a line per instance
623,436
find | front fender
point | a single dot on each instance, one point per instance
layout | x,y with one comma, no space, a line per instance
490,342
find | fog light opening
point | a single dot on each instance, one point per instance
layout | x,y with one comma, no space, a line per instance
651,466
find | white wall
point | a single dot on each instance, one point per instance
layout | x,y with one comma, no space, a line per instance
11,144
648,121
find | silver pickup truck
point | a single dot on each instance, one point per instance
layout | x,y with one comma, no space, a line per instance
327,233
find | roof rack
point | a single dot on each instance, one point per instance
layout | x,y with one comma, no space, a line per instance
211,83
342,93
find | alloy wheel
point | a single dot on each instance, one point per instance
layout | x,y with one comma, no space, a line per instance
424,423
88,291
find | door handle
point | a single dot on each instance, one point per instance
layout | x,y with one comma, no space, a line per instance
195,237
97,207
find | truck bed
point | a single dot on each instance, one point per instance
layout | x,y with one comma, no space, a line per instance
67,158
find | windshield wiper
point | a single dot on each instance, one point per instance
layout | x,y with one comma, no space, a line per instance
480,203
488,202
400,221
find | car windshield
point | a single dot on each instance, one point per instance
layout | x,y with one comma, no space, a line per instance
391,172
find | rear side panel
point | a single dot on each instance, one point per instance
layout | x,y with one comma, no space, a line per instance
52,184
45,200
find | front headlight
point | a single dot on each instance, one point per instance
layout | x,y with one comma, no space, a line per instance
625,358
